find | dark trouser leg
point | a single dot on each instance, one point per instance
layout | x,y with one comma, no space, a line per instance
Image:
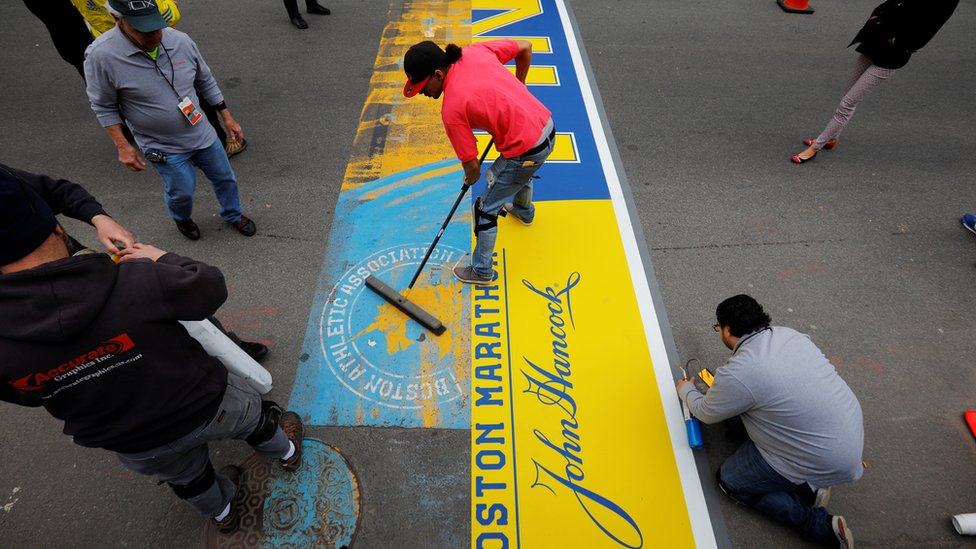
67,28
214,119
291,6
185,463
747,478
294,16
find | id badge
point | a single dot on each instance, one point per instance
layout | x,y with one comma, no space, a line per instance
190,111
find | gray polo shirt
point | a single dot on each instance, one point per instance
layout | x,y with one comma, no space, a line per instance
803,418
124,82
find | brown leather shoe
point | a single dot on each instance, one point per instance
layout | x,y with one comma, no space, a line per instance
233,520
188,229
291,424
244,226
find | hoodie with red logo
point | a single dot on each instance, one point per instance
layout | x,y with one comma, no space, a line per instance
100,347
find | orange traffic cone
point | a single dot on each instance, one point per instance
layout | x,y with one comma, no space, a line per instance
971,420
795,6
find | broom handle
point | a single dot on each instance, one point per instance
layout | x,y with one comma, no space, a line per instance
464,189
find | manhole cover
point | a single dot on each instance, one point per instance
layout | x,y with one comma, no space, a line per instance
317,507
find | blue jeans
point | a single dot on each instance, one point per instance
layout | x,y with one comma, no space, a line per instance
748,479
180,180
509,180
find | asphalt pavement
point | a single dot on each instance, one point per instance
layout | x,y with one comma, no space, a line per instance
861,248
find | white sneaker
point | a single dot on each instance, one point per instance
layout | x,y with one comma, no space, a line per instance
844,535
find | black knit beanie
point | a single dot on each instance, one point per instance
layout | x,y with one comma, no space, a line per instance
26,221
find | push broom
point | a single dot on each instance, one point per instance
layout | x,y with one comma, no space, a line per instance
399,301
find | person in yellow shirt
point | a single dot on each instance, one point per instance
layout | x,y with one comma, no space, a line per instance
99,20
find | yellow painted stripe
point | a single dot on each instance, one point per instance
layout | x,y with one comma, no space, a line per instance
564,149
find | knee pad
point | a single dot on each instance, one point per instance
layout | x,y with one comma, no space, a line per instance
198,485
267,425
482,220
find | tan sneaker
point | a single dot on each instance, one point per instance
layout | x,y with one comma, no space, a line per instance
822,498
509,210
469,276
291,424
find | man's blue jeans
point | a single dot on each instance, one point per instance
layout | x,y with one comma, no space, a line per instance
180,180
509,180
748,479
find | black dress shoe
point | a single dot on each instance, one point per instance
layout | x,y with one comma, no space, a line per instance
244,226
189,229
255,350
314,7
298,22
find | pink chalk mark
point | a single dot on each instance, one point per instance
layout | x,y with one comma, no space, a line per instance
861,362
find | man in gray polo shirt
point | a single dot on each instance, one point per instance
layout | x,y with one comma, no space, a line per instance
806,431
146,75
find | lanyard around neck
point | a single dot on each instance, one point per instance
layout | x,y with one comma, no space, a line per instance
172,69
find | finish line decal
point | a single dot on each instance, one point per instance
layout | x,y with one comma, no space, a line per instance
560,370
577,439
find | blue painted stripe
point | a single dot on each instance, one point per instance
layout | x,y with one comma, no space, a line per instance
350,378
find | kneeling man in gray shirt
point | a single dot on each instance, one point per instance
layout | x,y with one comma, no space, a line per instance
806,431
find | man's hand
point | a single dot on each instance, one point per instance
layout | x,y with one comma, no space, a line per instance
234,130
682,382
141,251
110,232
472,172
130,158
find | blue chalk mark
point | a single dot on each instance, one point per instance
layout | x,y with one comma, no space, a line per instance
318,502
348,375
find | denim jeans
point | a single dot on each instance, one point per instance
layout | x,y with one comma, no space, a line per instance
186,459
180,180
509,180
748,479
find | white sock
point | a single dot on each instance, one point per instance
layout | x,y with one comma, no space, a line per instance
291,451
223,514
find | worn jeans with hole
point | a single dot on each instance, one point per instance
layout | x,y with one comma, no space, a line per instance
748,479
509,180
182,461
179,175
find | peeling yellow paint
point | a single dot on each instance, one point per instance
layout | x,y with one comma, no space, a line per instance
413,131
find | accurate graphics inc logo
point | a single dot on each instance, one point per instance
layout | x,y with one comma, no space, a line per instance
107,349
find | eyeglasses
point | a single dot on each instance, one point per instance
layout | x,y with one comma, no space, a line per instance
717,327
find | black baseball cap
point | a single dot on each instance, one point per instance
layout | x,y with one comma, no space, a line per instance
420,62
142,14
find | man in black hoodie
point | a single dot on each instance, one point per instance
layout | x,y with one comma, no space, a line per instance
72,200
99,346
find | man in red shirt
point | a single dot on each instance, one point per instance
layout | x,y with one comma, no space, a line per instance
480,93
